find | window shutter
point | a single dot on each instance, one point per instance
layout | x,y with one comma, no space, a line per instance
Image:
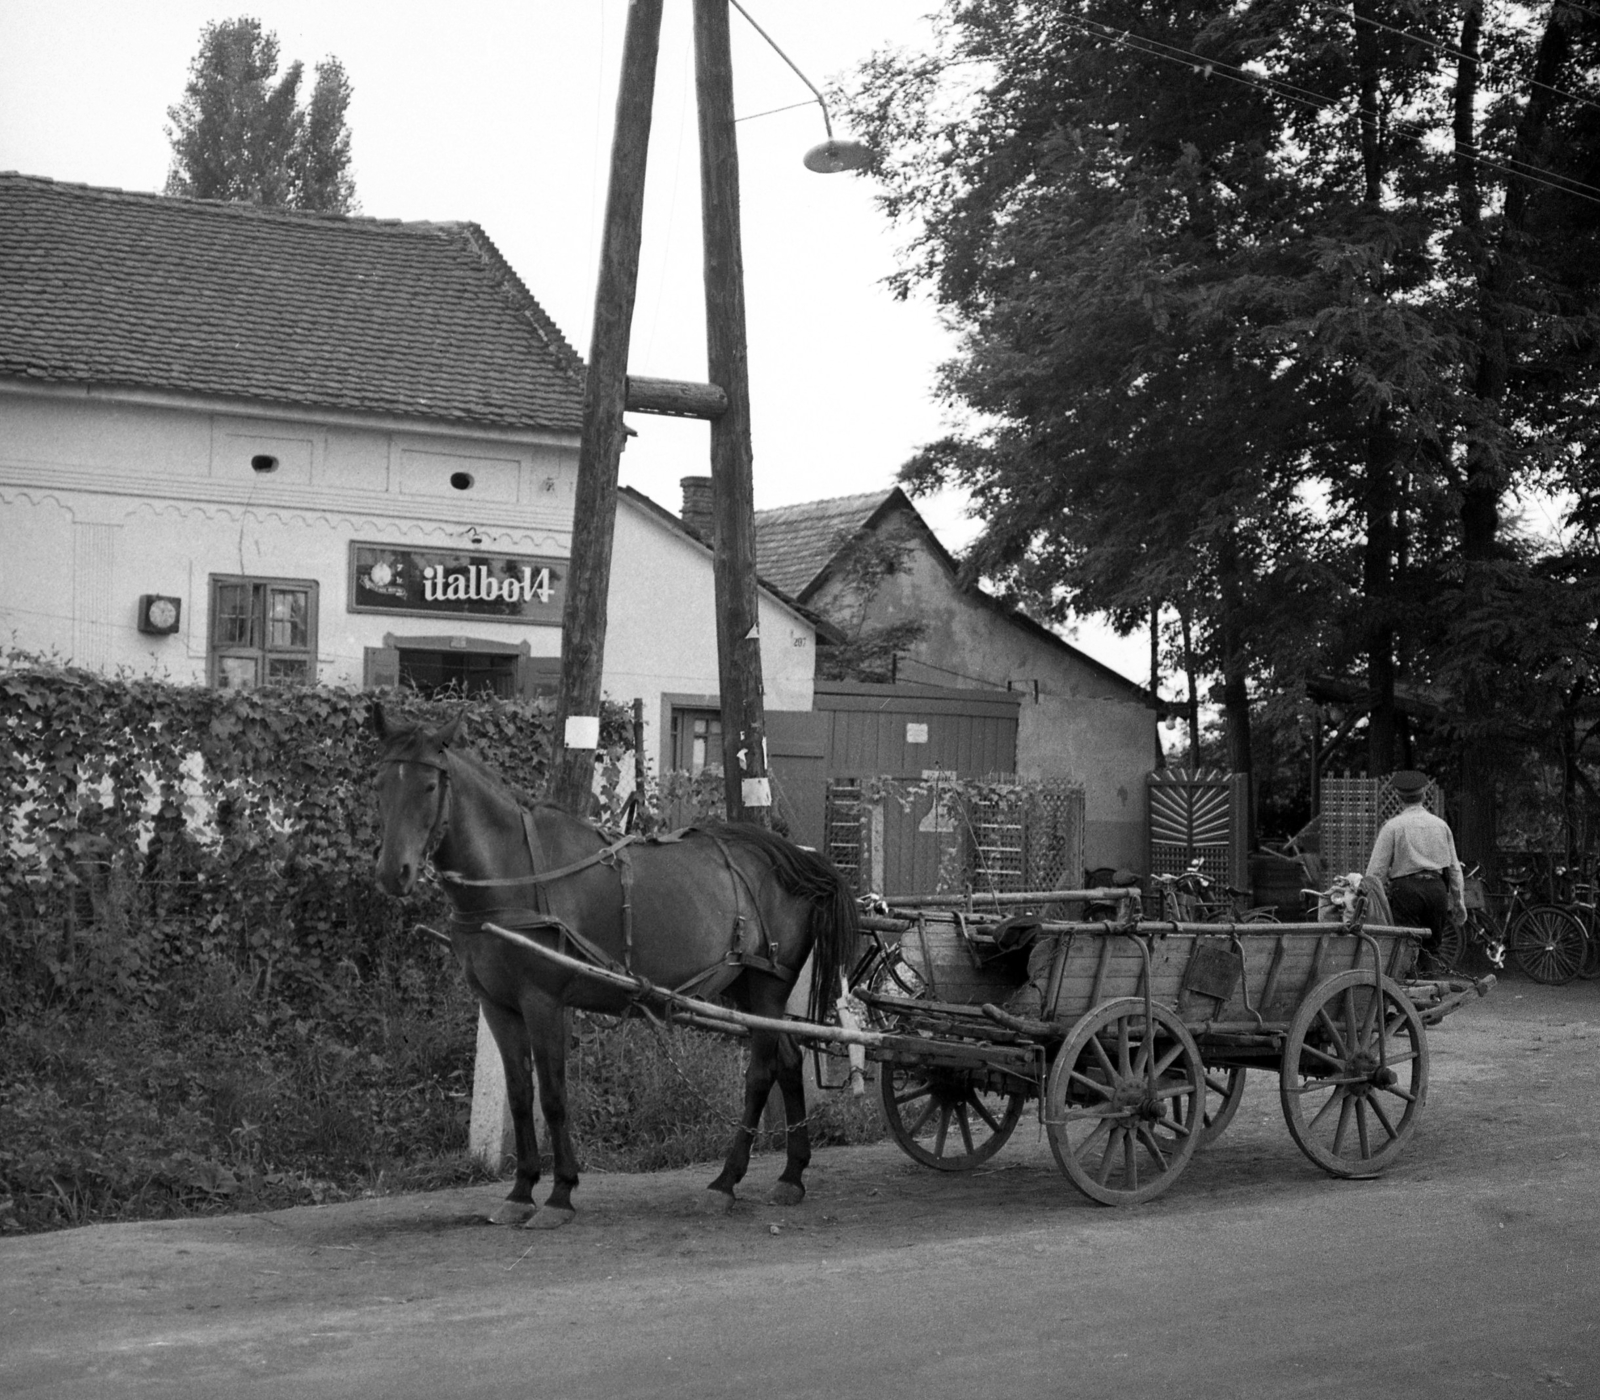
382,667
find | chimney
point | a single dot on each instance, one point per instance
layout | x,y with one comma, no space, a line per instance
697,505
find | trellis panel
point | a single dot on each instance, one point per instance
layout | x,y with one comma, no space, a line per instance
1199,814
1352,811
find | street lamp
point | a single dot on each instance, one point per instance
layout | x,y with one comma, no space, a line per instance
833,155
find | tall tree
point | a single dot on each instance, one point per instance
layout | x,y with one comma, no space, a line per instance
241,133
1244,333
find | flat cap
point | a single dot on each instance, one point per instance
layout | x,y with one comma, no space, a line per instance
1408,782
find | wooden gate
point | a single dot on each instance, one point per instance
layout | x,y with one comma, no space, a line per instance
1199,814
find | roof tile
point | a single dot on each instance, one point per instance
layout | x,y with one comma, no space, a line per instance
195,296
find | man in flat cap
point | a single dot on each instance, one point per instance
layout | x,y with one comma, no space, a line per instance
1415,857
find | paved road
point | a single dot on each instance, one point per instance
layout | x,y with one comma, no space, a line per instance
1470,1270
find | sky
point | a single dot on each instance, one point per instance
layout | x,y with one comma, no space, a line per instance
500,113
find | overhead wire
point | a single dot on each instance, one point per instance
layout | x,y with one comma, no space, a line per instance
1454,53
1320,102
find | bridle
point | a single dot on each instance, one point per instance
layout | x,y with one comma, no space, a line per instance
441,821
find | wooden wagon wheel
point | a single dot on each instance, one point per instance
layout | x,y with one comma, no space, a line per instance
1224,1087
946,1118
1354,1074
1121,1102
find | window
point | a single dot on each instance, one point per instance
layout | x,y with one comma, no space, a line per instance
263,630
459,672
696,741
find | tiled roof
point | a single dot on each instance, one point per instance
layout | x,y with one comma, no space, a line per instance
113,288
794,544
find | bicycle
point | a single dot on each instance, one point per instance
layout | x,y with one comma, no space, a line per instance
1188,898
1480,930
1547,942
1584,907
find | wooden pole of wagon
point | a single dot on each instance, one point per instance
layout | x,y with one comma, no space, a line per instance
583,619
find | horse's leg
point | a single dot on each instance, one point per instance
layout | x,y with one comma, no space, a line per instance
758,1079
546,1023
511,1039
790,1189
770,998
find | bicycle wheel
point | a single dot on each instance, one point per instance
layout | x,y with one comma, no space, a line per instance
1591,958
1548,944
1452,946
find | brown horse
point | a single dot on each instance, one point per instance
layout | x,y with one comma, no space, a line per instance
731,909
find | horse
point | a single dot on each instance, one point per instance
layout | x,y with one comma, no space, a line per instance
717,908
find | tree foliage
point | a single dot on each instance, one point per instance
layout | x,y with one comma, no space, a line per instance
241,132
1271,314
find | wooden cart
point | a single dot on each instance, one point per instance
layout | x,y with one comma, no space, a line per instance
1136,1036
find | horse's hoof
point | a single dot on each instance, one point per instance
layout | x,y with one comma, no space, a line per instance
786,1193
550,1218
513,1213
714,1202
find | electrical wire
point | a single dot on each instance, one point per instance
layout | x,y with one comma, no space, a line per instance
1318,102
1457,54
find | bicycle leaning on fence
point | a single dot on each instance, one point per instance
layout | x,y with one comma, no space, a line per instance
1190,898
1547,942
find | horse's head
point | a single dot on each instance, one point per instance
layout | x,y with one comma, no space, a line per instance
413,796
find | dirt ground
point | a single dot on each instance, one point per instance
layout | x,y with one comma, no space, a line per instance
1469,1270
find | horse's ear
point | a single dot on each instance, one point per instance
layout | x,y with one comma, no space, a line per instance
446,734
376,722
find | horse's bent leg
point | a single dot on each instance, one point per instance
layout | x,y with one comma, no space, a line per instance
758,1080
791,1188
511,1039
546,1022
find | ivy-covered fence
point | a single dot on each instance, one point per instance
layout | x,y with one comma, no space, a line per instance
206,1003
203,997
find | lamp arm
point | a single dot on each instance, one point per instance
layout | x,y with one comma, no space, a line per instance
826,122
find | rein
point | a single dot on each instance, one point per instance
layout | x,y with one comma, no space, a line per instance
601,857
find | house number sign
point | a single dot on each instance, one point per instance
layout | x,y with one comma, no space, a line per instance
457,583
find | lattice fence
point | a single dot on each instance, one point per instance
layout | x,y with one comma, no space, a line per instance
1028,838
1352,811
1005,838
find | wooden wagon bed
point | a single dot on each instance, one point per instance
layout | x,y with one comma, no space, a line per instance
1144,1032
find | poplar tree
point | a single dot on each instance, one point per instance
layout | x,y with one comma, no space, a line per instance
241,132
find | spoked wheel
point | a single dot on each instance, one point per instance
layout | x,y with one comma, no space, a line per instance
1122,1102
1591,955
1452,947
946,1118
1224,1086
1355,1074
1548,943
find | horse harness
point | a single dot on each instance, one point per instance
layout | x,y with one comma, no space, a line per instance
747,950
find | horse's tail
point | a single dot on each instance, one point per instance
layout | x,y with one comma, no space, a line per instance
834,924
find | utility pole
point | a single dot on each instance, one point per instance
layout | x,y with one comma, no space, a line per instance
746,784
583,619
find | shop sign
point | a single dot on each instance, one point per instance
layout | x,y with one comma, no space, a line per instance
457,583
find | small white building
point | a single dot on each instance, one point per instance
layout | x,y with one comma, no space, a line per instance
240,445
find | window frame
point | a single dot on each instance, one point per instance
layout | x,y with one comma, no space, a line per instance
259,620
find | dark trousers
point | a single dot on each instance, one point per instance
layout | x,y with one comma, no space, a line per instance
1421,901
